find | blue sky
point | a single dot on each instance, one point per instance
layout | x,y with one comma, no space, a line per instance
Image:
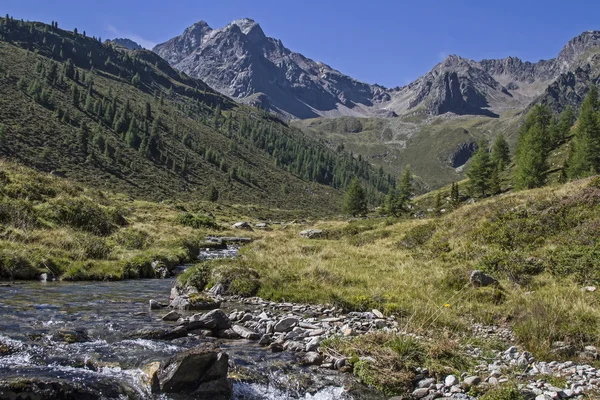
390,42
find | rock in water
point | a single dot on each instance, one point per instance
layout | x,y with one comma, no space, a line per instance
245,332
479,279
286,324
214,320
193,369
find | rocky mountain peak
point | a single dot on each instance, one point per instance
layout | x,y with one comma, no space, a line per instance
576,48
127,43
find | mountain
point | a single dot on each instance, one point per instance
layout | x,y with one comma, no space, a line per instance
240,61
127,43
126,121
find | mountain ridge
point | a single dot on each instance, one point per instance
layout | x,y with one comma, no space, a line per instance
240,61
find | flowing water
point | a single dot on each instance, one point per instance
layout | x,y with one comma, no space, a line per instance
35,316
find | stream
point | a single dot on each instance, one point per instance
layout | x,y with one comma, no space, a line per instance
38,321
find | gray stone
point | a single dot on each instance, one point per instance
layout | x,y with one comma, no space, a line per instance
450,381
242,225
479,279
312,234
245,332
215,319
172,316
286,324
420,393
471,381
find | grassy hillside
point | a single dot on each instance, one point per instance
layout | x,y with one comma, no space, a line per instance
540,244
56,226
430,145
126,121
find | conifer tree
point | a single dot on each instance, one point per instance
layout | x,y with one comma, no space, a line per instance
405,190
355,201
532,149
438,202
565,123
585,159
213,194
495,183
500,152
480,171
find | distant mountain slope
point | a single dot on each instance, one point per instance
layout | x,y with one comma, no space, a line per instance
127,121
127,43
241,62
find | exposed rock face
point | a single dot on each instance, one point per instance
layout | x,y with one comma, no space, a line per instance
127,43
462,154
240,61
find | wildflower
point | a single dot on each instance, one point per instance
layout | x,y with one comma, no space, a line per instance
447,305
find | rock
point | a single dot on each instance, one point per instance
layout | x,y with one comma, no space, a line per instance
159,334
71,336
420,393
313,344
349,332
311,358
156,305
589,289
242,225
186,371
172,316
450,381
312,234
160,269
227,334
220,389
378,314
286,324
265,340
50,388
218,289
151,373
479,279
215,319
426,383
471,381
262,225
276,347
194,302
245,332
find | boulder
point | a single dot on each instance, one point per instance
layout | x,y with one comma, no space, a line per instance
49,388
242,225
160,269
172,316
214,320
245,332
194,302
159,334
286,324
71,336
151,376
157,305
220,389
193,369
479,279
312,234
311,358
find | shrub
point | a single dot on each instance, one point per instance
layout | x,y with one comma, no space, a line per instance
512,265
197,276
88,246
132,239
196,221
84,214
418,236
17,213
13,266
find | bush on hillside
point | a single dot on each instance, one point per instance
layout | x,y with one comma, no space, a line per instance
196,221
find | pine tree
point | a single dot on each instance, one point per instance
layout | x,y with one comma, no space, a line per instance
148,112
135,81
356,201
531,159
495,183
532,149
455,194
500,152
585,159
438,202
83,138
566,121
2,135
405,190
213,194
480,171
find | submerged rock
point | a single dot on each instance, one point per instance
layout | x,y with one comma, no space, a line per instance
71,336
159,334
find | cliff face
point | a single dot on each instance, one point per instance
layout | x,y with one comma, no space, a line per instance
240,61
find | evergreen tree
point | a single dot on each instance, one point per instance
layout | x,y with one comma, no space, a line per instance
135,81
2,135
480,171
83,138
532,149
455,194
393,203
75,95
405,190
438,202
565,123
495,183
213,194
500,152
531,159
148,112
585,159
356,201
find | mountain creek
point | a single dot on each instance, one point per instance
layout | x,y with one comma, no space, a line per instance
86,333
102,339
